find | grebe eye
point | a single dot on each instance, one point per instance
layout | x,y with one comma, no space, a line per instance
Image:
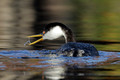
43,32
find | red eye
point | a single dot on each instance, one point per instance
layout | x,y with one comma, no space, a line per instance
43,32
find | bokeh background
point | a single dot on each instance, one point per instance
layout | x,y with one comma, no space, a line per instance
92,21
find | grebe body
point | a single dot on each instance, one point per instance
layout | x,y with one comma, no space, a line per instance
78,49
71,48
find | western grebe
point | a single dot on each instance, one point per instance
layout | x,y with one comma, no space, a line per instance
71,48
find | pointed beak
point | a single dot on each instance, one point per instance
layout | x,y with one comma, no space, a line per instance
41,39
39,35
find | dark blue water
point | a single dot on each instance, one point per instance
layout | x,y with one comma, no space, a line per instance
45,64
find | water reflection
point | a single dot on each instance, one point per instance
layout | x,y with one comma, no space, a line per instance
56,68
16,22
29,65
91,22
55,73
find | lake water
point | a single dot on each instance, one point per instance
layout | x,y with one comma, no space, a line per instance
94,22
43,65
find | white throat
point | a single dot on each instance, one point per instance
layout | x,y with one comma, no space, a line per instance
54,33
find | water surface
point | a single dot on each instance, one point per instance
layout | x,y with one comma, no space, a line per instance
36,64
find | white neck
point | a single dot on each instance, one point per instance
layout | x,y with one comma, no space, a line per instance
57,32
54,33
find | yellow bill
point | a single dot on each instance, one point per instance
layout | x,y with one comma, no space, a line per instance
41,39
39,35
36,41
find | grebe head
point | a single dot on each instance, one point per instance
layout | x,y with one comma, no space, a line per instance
54,31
